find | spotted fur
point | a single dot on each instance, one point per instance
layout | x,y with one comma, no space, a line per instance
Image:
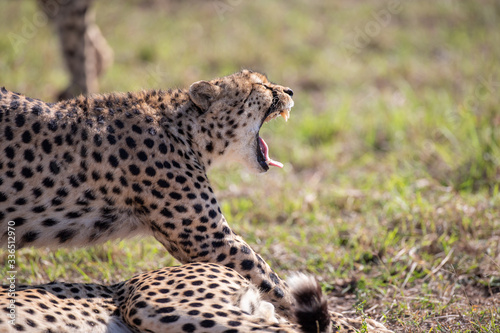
196,297
87,170
85,51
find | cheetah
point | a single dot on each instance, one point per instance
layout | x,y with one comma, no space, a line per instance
197,297
87,170
85,51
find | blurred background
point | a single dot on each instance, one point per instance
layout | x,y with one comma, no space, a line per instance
390,190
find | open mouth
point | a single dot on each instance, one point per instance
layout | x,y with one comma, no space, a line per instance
262,148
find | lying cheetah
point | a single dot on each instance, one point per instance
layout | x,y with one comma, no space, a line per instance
196,297
94,168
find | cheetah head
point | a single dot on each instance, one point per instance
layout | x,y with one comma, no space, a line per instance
232,110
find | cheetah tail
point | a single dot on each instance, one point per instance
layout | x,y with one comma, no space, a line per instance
311,308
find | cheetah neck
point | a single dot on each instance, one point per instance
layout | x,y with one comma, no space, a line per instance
172,109
163,102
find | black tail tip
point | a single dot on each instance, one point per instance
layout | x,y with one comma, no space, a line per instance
311,307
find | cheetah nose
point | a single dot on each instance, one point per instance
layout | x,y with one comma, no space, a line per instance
288,91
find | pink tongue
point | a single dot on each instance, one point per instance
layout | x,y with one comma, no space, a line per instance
265,151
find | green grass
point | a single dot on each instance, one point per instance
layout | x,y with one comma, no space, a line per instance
390,191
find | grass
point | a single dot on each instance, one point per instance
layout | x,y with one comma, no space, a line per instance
390,191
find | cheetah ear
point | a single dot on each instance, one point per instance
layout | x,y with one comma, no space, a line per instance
203,94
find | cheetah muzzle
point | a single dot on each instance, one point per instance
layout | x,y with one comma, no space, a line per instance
275,110
258,110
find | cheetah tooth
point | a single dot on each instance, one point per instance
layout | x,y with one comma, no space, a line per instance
285,114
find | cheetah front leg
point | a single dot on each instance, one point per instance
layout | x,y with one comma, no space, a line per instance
209,239
84,49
